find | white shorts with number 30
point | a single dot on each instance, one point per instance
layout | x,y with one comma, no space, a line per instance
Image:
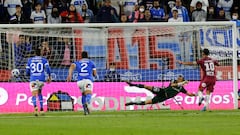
85,84
36,85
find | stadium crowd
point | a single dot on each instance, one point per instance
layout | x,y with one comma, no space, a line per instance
107,11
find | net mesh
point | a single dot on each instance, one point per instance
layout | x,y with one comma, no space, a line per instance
141,53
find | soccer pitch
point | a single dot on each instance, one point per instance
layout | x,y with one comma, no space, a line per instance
154,122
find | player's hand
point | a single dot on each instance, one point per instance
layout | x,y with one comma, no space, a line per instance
49,80
129,83
69,78
179,62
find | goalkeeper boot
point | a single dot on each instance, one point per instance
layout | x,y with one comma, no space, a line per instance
200,101
36,111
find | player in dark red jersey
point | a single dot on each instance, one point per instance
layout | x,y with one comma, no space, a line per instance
208,80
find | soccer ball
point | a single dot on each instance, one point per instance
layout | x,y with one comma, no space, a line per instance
15,72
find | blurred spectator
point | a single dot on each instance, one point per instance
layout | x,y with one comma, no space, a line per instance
157,12
175,17
182,11
107,13
87,14
11,6
45,50
4,51
205,5
198,14
123,18
66,52
18,17
112,75
78,4
128,6
54,17
213,2
38,1
146,3
71,15
48,6
211,14
221,15
62,5
147,17
2,12
38,16
22,50
235,17
169,5
137,14
226,5
27,9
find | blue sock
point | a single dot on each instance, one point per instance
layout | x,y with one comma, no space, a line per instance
40,98
83,99
34,101
88,98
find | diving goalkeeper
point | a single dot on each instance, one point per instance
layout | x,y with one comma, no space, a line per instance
162,94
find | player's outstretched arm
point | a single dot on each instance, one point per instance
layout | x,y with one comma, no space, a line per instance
186,63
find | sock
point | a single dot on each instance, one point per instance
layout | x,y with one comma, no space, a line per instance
200,94
34,101
88,98
83,99
207,101
40,98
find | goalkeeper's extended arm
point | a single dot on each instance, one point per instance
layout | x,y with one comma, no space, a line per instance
136,85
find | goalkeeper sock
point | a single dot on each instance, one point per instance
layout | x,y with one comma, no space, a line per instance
135,103
34,101
83,99
88,98
40,98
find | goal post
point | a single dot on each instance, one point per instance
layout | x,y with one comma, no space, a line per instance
144,53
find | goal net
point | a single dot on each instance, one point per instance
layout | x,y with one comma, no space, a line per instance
145,53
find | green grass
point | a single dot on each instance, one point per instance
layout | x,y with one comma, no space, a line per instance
155,122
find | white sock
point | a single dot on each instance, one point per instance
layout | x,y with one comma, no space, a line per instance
207,100
200,94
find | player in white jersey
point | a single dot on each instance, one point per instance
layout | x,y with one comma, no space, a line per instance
36,68
86,69
11,6
38,16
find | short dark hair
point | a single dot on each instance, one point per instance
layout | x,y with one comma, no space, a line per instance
112,63
206,51
38,51
84,54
